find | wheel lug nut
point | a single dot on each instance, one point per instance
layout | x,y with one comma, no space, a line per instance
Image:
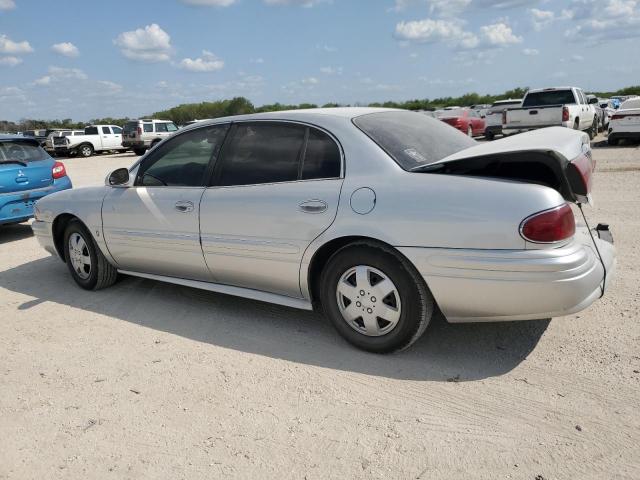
369,310
362,293
373,299
358,304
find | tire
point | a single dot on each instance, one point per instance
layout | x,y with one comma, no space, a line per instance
139,151
370,268
614,142
593,131
470,131
85,150
489,136
87,265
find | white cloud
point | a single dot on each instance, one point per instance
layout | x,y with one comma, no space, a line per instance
209,3
531,52
499,35
46,80
331,70
259,60
109,86
207,63
452,32
310,81
10,47
148,44
66,49
58,74
541,18
10,61
7,5
302,3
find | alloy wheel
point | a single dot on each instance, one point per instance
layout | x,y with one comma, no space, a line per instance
79,256
368,301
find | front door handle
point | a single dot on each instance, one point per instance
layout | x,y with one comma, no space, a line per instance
184,207
313,206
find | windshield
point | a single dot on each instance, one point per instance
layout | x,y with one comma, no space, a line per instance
551,97
22,151
411,139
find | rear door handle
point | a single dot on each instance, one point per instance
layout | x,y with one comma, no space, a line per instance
184,207
313,206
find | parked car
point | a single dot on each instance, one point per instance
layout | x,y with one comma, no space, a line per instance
49,146
549,107
374,216
95,139
625,123
140,135
40,134
493,119
466,120
27,173
482,109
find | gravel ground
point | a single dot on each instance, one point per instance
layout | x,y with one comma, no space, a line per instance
149,380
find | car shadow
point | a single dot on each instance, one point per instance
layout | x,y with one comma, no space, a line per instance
14,232
447,352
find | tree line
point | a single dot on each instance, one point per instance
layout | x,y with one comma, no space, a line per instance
187,112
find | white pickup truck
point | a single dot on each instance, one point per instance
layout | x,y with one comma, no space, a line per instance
552,107
96,138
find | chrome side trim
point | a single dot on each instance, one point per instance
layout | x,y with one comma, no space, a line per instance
228,290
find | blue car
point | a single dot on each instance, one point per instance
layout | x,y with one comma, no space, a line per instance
27,173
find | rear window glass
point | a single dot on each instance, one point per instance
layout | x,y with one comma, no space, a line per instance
554,97
412,139
130,127
21,151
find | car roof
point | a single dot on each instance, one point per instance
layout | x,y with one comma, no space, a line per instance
549,89
303,115
14,138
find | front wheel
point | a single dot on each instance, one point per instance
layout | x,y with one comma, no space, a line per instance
593,131
139,151
375,298
87,265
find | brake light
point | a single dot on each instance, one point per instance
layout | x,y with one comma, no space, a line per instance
58,170
504,117
565,114
580,176
139,130
549,226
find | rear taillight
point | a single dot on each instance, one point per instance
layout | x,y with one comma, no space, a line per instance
550,226
565,114
617,116
139,131
504,117
580,176
58,170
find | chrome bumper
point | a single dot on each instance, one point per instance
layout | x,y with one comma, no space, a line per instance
505,285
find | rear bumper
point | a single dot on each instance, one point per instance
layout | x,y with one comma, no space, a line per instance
505,285
18,207
136,143
620,134
493,130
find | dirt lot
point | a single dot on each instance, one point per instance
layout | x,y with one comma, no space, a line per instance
148,380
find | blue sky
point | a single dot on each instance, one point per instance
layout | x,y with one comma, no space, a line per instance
86,59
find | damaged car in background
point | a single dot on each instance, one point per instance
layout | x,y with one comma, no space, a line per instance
376,217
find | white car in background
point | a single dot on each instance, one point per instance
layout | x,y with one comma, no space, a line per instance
95,138
49,146
493,119
625,123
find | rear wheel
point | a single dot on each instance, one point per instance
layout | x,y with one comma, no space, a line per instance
85,150
593,131
613,141
139,151
87,265
375,298
489,136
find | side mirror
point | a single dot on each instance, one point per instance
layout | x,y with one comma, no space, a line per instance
593,100
118,178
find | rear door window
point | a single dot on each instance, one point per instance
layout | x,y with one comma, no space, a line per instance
106,130
322,157
261,153
91,131
147,127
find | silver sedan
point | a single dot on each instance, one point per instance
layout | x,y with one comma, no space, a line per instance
377,217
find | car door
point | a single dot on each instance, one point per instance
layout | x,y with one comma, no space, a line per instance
107,138
117,137
274,190
584,121
153,226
